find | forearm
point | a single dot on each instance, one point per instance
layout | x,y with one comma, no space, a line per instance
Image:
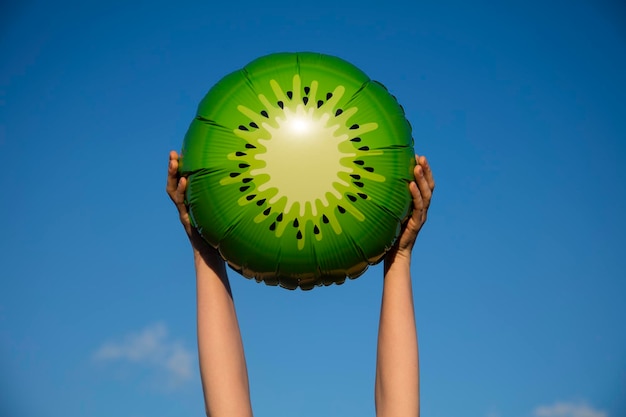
220,348
397,364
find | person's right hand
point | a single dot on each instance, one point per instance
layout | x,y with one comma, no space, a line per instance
421,191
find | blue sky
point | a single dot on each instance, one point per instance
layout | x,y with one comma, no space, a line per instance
519,272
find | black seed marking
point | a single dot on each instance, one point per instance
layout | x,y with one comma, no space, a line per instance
359,162
357,139
242,127
280,104
250,197
369,169
273,226
307,90
264,114
290,95
244,188
355,176
246,180
267,211
296,223
250,146
316,230
358,184
243,165
351,198
328,96
234,174
299,235
260,202
341,209
254,125
364,148
324,219
362,195
319,103
239,153
279,218
305,100
354,126
338,112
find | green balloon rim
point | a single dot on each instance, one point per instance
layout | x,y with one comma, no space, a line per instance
297,168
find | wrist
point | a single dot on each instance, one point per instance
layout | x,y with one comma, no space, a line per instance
204,253
398,258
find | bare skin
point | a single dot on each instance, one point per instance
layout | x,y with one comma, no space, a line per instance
220,348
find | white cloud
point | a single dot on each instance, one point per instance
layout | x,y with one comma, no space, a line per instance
152,347
179,362
562,409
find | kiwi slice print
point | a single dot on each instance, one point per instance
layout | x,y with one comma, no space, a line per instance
297,168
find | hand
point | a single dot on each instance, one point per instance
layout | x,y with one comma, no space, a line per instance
421,191
176,186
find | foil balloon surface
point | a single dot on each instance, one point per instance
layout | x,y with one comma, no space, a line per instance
298,168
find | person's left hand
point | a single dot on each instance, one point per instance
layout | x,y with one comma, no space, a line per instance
176,186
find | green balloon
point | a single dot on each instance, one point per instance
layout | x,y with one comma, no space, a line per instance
298,168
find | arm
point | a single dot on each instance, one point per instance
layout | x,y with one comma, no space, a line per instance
397,363
220,348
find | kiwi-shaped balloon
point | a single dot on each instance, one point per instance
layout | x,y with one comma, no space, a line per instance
297,168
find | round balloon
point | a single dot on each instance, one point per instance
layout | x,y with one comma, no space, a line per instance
298,168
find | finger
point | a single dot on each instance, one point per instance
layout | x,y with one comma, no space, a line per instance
413,225
423,185
418,202
428,173
172,175
180,204
179,194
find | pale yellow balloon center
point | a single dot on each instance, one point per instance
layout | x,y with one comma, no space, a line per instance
302,159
